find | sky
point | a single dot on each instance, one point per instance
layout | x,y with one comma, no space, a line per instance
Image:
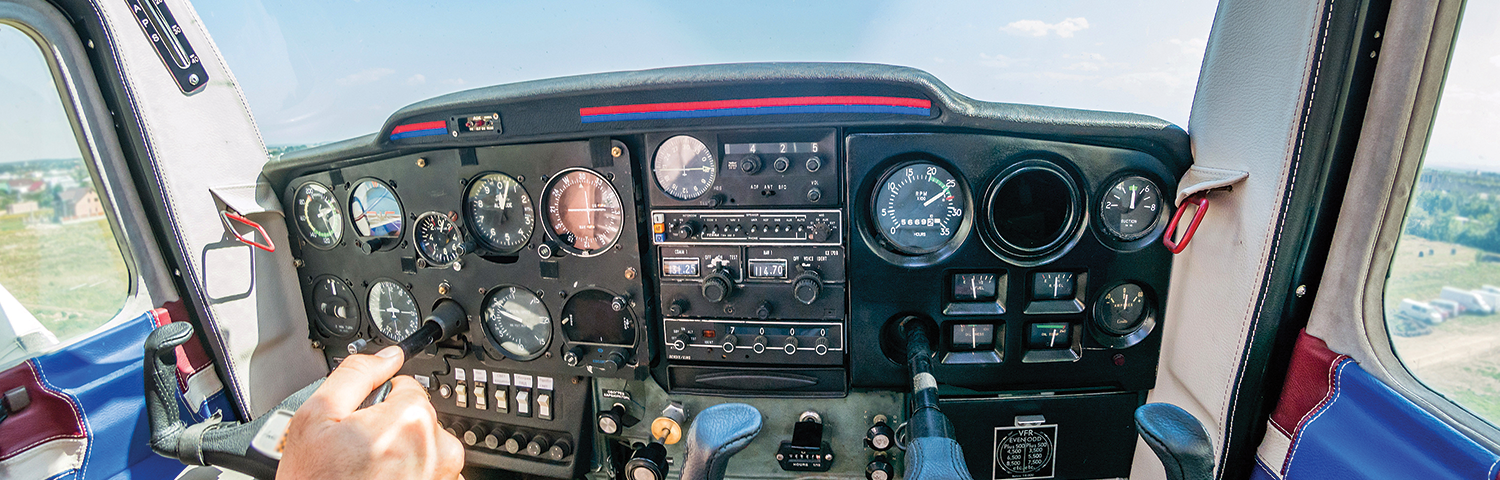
327,70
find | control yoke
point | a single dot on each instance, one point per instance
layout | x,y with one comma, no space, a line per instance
251,448
933,452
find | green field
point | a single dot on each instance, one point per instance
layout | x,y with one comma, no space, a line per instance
70,276
1461,357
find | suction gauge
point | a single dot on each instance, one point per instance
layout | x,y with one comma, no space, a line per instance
1130,208
318,216
684,167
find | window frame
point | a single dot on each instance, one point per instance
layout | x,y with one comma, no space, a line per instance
147,284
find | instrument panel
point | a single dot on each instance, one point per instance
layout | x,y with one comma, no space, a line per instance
749,257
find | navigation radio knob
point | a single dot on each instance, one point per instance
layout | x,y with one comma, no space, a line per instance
613,361
807,287
791,346
717,286
678,307
750,165
820,346
760,344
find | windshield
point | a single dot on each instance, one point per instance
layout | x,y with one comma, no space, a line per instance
315,72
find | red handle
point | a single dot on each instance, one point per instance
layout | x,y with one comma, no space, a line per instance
268,246
1201,200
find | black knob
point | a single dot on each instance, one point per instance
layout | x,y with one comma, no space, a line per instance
456,428
613,361
814,164
612,420
474,436
574,357
807,287
819,232
880,437
715,200
820,346
678,307
685,230
763,311
681,341
730,341
791,346
515,443
647,463
750,165
496,438
717,286
781,164
814,194
879,469
760,344
538,445
560,450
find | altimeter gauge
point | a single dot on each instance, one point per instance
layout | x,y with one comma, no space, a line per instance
499,212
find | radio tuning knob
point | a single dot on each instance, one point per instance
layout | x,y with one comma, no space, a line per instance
791,346
820,346
750,165
807,287
717,286
730,342
678,307
760,344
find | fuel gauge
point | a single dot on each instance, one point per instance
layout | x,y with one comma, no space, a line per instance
974,287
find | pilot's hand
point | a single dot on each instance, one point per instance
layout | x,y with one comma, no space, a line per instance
396,439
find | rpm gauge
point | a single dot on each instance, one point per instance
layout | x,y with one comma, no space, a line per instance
500,213
319,218
583,212
1130,208
684,167
393,310
516,320
918,207
439,241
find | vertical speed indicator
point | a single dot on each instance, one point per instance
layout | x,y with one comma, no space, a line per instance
917,208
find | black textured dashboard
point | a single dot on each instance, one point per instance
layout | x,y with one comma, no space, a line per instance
745,231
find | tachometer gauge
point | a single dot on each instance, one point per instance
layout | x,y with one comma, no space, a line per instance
500,213
590,316
583,211
377,213
439,241
393,310
517,322
1130,208
334,307
319,218
917,207
684,167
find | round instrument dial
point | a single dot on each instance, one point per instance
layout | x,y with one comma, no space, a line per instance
1033,209
517,322
1121,310
393,310
1130,208
377,213
318,216
583,212
500,213
334,307
918,207
590,316
684,167
439,241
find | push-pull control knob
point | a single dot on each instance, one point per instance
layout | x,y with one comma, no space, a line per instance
496,438
474,436
807,287
560,450
760,344
515,443
717,286
538,445
879,469
880,437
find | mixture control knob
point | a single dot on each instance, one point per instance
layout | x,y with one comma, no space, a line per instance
496,438
685,230
515,443
717,286
880,437
820,346
474,436
791,345
879,469
807,287
560,450
678,307
538,445
574,357
731,341
760,344
456,429
750,165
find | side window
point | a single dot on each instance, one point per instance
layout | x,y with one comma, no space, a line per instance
1443,292
61,271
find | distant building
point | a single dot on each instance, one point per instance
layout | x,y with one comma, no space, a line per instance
22,186
79,203
22,207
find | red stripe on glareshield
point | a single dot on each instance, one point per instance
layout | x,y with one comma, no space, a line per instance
757,103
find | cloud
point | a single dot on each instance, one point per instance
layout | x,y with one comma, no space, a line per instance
454,82
1495,60
417,79
367,76
998,60
1038,28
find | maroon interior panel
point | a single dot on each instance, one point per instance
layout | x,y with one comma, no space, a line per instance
50,415
1309,380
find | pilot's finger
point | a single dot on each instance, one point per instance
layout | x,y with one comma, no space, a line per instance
354,379
405,393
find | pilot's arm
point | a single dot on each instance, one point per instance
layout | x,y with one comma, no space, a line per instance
399,438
